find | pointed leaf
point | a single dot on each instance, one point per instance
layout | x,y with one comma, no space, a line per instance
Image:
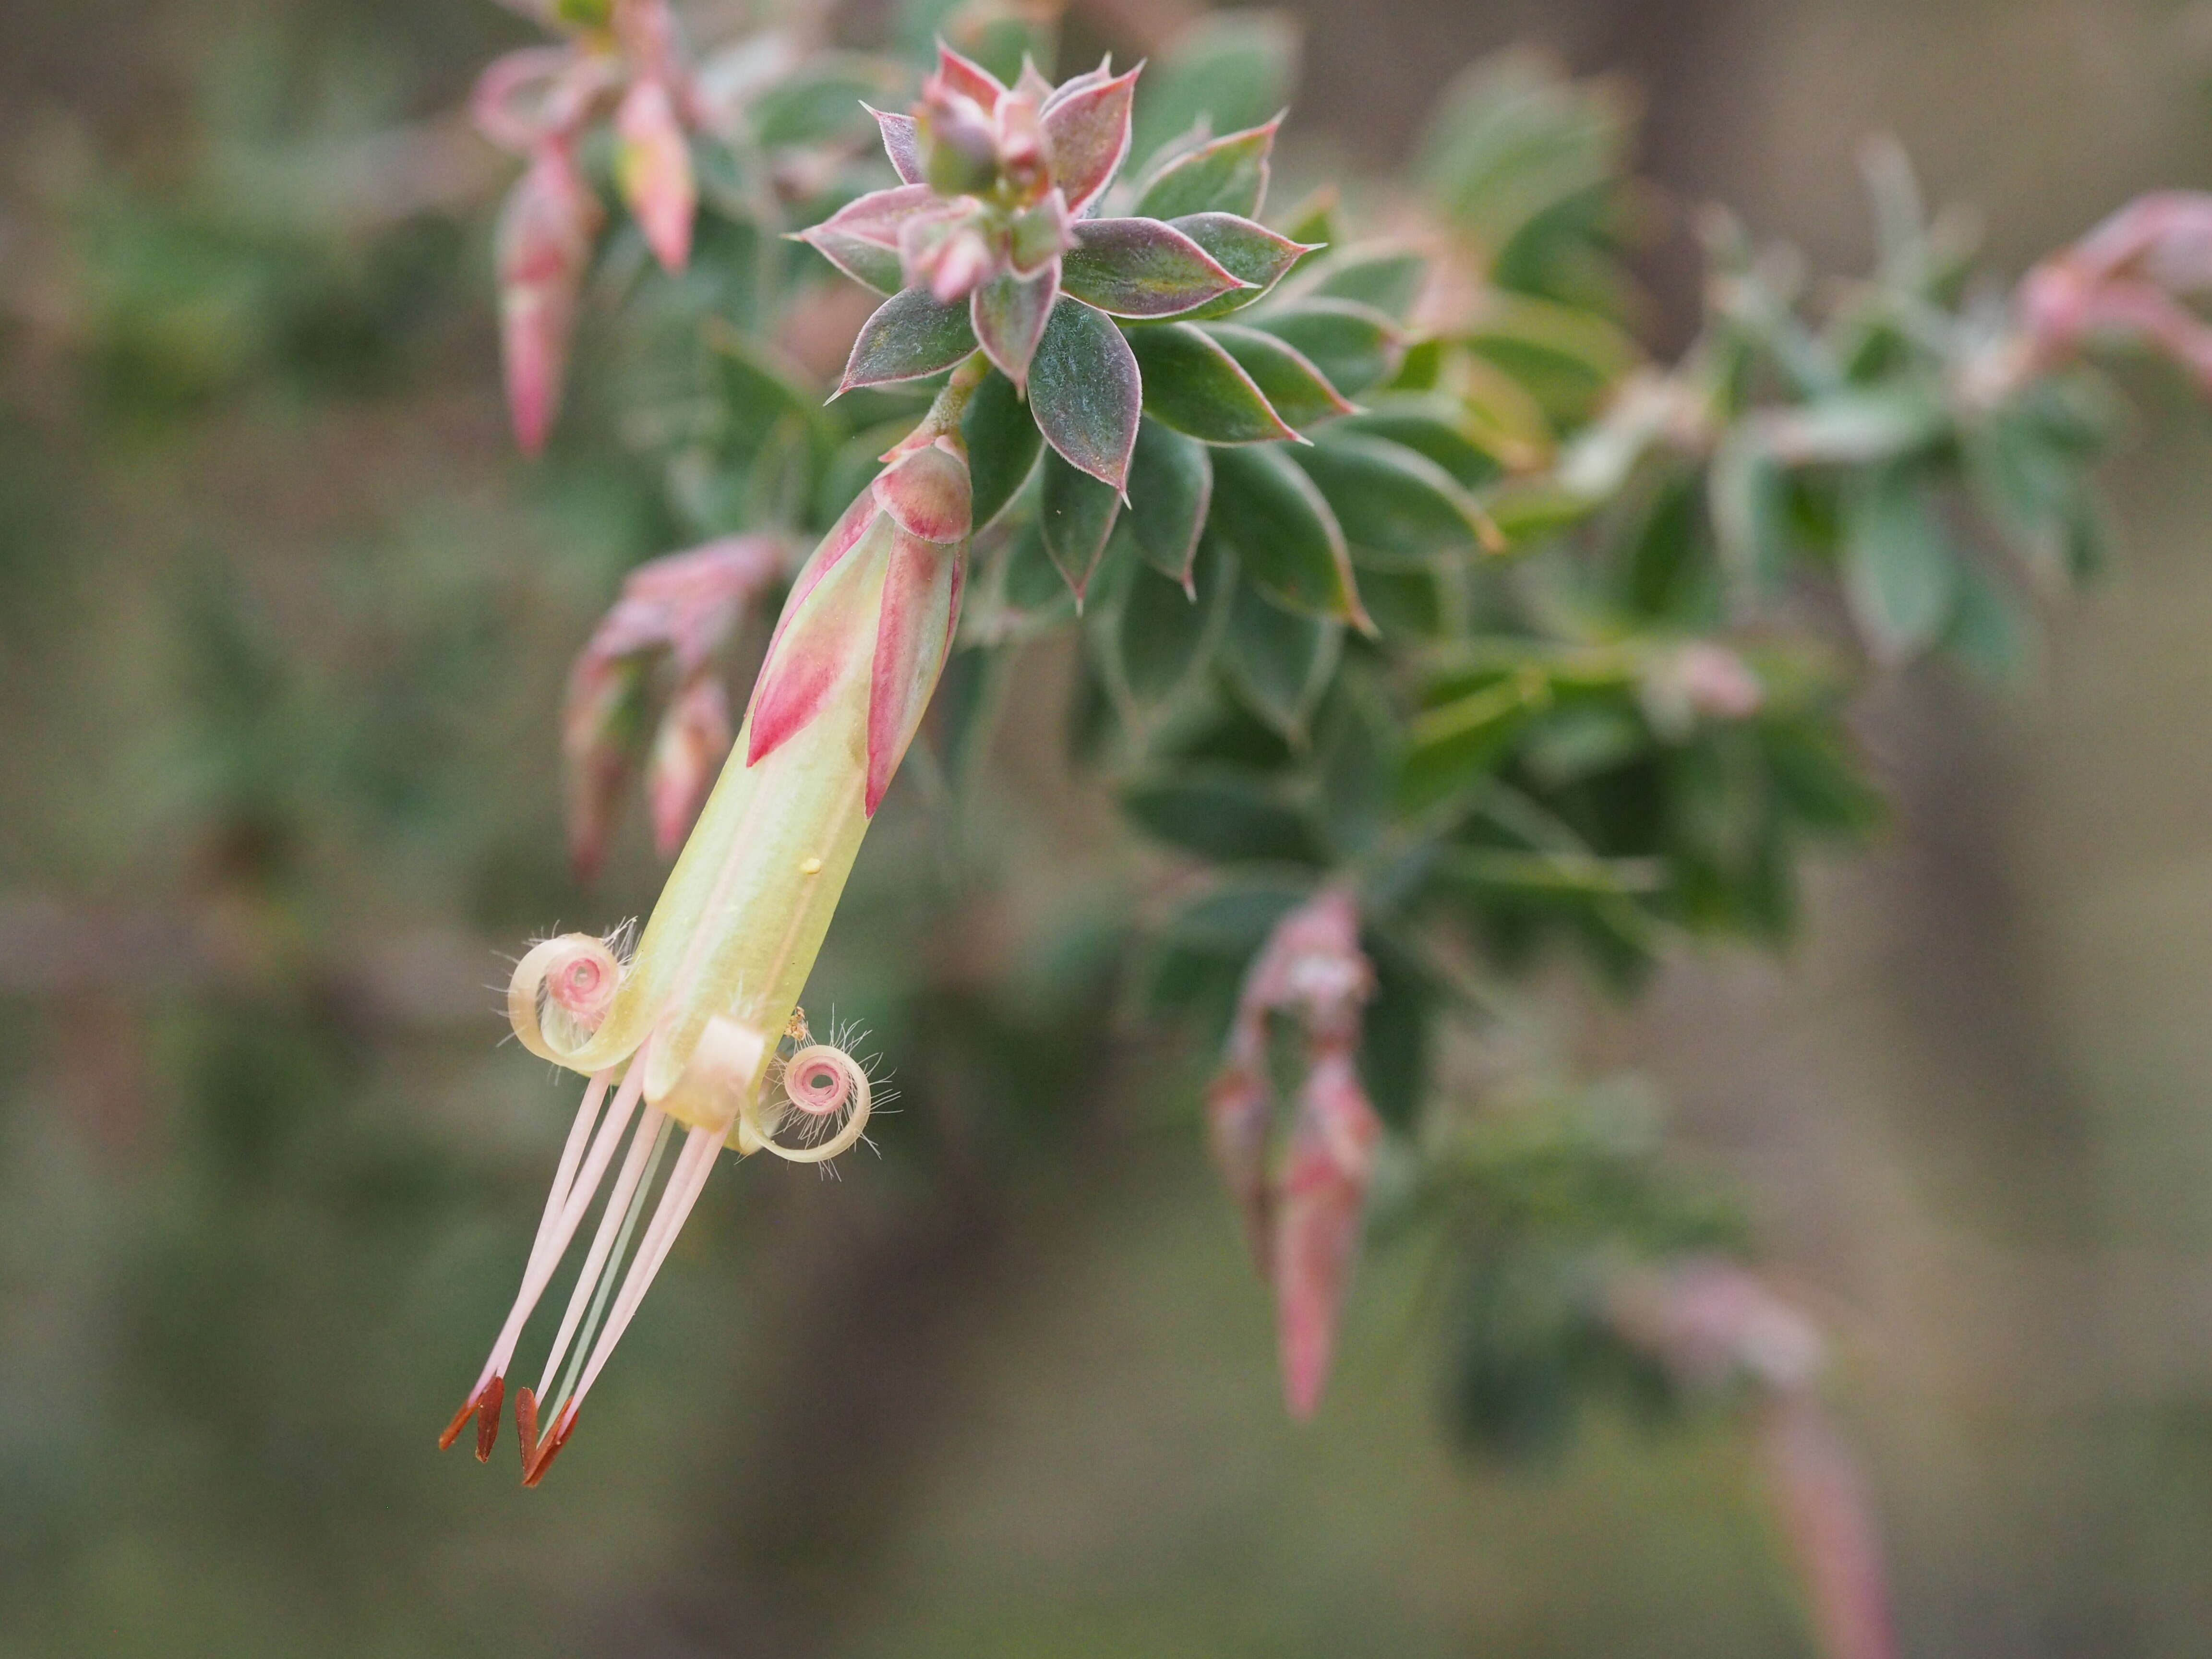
1228,175
1009,313
1230,816
1170,485
902,143
968,79
1899,573
920,605
1398,509
910,335
1251,252
1086,137
1003,442
1085,392
1158,633
1141,268
1390,281
861,238
1435,427
1278,664
1192,384
1075,513
1355,345
1284,533
1297,389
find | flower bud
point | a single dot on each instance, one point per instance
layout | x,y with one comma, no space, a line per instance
693,736
652,164
546,232
959,143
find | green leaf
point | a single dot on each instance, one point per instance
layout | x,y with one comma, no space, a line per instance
909,336
1075,513
1201,955
1281,529
1141,268
1085,392
1157,635
1900,575
1398,508
1389,281
1192,384
1032,586
1354,345
1170,485
1250,252
1430,427
1278,664
1298,392
1228,175
1746,497
1009,313
1003,442
1233,68
819,101
1223,815
1356,740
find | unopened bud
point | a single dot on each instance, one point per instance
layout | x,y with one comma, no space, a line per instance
652,164
693,736
545,236
958,141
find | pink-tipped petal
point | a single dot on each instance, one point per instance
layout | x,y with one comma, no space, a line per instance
652,163
920,606
821,630
1086,137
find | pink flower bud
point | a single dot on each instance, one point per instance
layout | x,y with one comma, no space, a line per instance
693,736
652,163
959,143
544,247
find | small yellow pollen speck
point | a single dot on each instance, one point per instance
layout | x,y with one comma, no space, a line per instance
810,866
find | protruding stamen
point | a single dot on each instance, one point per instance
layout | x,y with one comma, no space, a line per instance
549,1448
525,1426
461,1419
488,1418
685,1182
621,1209
580,1134
555,1244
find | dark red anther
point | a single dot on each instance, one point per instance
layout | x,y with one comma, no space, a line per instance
549,1448
487,1417
460,1421
525,1426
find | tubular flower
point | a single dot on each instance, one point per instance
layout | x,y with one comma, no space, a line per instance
688,1034
1303,1219
2131,277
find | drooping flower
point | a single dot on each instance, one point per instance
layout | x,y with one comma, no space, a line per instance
545,234
2129,277
691,1032
1715,1324
1302,1215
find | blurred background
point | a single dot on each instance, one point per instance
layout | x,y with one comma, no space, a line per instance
285,623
